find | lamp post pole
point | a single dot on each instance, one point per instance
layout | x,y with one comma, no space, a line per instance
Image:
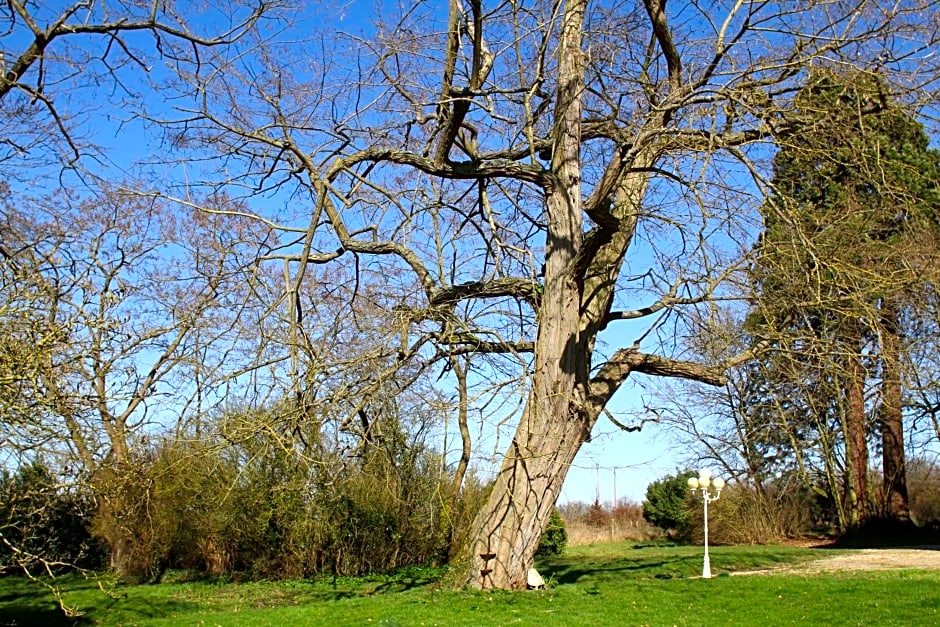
710,490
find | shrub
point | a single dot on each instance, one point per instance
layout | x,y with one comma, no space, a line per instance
923,485
667,503
43,523
596,516
747,515
252,505
590,524
555,536
178,503
628,512
740,516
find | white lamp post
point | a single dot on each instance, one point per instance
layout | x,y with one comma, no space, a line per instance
710,490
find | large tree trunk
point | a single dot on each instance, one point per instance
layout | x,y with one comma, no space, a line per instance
581,270
892,424
507,531
117,498
505,534
856,443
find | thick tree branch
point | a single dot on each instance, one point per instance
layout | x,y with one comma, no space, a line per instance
656,9
466,343
628,360
522,289
460,170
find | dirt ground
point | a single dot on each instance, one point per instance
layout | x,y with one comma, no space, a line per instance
923,558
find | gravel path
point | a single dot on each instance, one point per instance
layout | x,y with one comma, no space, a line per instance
921,558
924,558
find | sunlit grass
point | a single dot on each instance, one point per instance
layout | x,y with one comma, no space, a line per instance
602,584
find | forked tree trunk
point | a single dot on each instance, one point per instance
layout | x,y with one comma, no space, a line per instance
581,271
506,532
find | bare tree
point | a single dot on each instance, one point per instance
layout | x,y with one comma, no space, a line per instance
108,299
51,52
543,182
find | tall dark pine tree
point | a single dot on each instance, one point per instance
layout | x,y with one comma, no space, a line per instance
849,237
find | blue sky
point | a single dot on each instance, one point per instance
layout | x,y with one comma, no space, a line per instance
620,463
612,461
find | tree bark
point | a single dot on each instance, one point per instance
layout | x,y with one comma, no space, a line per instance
553,426
892,424
508,528
856,443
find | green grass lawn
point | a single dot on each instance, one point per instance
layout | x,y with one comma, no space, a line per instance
612,584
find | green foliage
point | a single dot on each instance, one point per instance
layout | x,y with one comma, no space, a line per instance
667,502
554,538
42,524
253,501
855,188
872,174
850,239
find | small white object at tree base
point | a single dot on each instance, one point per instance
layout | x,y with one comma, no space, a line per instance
534,580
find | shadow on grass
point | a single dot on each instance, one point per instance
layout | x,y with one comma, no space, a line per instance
569,571
26,602
598,572
41,618
322,588
31,604
50,615
403,584
601,565
379,584
878,532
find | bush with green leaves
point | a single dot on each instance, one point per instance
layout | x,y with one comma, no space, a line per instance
555,536
258,502
667,503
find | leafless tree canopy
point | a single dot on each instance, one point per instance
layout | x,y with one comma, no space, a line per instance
523,178
545,187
